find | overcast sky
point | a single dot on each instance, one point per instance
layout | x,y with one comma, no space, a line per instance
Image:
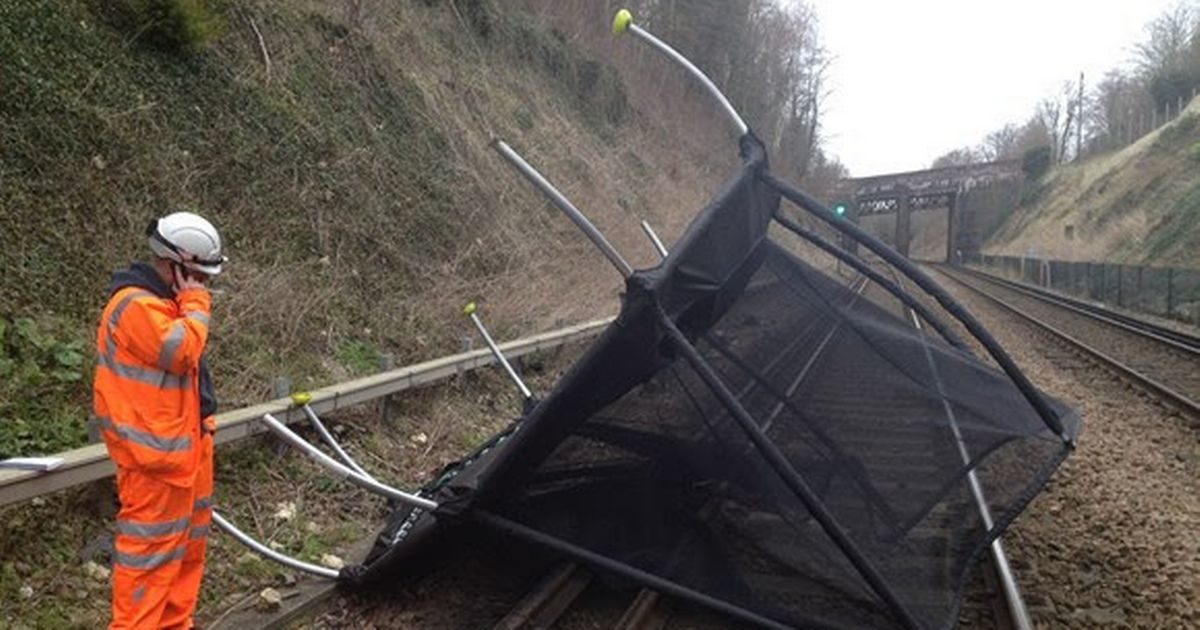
914,79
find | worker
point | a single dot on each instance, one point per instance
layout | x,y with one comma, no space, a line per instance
154,402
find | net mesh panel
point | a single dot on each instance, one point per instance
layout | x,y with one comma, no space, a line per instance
633,456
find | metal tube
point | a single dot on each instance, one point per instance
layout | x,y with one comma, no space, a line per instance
674,55
1008,582
337,448
786,472
952,306
264,550
491,343
573,213
332,464
658,244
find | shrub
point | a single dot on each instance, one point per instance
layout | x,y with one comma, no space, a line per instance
175,25
1179,131
41,380
1036,161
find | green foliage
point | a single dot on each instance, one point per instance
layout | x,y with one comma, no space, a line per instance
1036,161
40,377
1194,152
176,25
359,357
1180,229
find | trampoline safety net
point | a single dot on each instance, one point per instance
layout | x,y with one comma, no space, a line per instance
763,436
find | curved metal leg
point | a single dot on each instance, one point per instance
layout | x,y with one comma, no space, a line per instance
624,22
471,311
340,469
337,448
557,198
266,551
653,236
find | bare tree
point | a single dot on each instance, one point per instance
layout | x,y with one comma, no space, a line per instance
1113,108
1000,144
1165,60
958,157
1057,115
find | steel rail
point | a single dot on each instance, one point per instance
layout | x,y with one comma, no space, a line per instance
1181,401
91,463
1175,339
1017,611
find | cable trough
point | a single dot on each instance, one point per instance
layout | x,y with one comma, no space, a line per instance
748,435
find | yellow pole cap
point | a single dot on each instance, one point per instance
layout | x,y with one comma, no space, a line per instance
622,21
301,398
470,309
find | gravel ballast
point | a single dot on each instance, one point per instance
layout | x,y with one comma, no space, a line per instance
1114,540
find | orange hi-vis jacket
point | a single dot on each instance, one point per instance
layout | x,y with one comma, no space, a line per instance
147,386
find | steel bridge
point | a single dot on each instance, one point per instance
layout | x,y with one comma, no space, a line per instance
932,214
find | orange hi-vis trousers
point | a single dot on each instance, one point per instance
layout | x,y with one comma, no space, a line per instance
162,537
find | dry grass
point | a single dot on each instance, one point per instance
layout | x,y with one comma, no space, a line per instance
1136,205
354,182
427,429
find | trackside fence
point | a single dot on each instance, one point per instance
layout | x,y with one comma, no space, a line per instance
1170,292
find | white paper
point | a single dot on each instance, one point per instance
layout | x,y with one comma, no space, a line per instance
32,463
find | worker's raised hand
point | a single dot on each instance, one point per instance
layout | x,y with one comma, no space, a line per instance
184,282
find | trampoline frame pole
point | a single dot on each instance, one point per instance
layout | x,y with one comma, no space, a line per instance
817,209
624,22
267,552
876,277
787,474
337,448
550,192
471,311
342,470
653,236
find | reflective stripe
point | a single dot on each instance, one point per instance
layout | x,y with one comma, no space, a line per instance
200,531
139,593
149,376
199,316
149,440
115,318
202,503
122,305
148,561
166,356
147,530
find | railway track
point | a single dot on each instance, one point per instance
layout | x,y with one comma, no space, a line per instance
550,602
1161,360
1167,334
547,605
569,595
1000,586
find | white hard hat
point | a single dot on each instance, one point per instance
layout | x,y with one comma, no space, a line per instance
188,239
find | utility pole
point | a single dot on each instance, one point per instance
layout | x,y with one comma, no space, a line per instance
1079,115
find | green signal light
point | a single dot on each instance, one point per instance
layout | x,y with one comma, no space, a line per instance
840,210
